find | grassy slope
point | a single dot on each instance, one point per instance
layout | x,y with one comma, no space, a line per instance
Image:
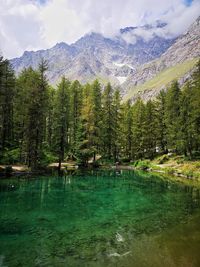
173,165
163,78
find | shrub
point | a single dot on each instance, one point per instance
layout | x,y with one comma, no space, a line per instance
189,174
197,165
11,156
180,161
105,161
135,163
143,165
163,159
188,170
196,154
169,171
48,158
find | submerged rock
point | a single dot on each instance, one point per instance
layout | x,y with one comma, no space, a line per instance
119,238
115,254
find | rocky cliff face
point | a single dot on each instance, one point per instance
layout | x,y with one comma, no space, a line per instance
96,56
130,60
184,49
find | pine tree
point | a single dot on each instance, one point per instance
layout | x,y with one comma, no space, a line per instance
108,123
126,128
117,116
172,116
195,102
82,150
50,118
30,119
85,134
150,133
161,125
138,129
61,120
76,106
186,122
33,133
21,103
7,93
97,116
44,97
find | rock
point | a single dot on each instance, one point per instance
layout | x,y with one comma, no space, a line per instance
94,55
185,48
119,238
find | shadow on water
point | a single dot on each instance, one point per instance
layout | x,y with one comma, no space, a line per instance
99,218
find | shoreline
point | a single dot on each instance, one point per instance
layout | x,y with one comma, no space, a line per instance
176,175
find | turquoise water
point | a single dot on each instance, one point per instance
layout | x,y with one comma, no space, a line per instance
101,218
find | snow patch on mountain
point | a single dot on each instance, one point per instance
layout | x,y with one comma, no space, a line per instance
121,79
95,55
123,65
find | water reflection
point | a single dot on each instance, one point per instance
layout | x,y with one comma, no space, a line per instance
81,218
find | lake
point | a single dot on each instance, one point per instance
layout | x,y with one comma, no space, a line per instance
99,218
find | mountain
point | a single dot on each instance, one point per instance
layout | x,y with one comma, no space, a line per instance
177,62
138,59
93,55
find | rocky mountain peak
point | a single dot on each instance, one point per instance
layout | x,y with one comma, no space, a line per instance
113,59
62,45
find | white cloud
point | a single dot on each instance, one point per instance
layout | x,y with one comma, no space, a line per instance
177,22
29,25
20,27
180,18
62,22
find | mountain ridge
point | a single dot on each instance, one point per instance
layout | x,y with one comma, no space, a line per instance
124,63
69,60
185,48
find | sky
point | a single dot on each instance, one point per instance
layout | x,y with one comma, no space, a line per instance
40,24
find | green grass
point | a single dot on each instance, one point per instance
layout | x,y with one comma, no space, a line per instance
177,165
163,78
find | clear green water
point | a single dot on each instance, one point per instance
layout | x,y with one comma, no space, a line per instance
102,218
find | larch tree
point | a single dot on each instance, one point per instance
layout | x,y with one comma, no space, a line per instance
138,129
108,122
76,98
150,133
97,116
117,131
61,120
127,127
7,93
172,116
85,138
160,122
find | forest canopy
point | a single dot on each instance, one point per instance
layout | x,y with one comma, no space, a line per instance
40,124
